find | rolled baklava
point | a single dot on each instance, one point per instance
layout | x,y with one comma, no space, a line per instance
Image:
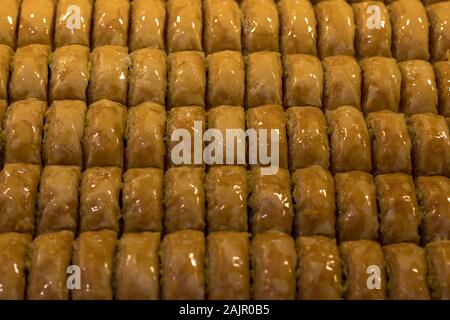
73,22
6,54
442,72
439,15
110,23
438,255
36,22
8,21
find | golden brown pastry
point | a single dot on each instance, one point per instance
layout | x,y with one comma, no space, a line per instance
13,255
73,22
29,73
147,77
409,30
50,256
143,200
227,192
260,25
222,25
438,258
184,199
439,15
399,210
148,24
109,75
145,136
36,22
94,255
184,25
274,264
303,80
314,199
442,72
381,84
99,199
64,130
69,73
6,54
110,23
24,126
407,272
137,267
183,256
58,199
391,145
319,271
228,266
364,269
18,194
226,79
433,194
431,144
104,133
342,76
349,140
8,21
3,107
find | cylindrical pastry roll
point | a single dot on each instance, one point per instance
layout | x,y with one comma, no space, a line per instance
357,206
147,77
36,22
183,256
184,25
349,140
298,27
8,21
145,136
29,73
69,73
364,269
439,15
409,30
99,199
182,146
381,85
137,267
274,264
58,199
270,201
94,255
143,200
226,79
336,28
442,72
13,255
264,79
222,25
407,271
308,138
260,26
431,144
438,258
187,79
373,29
148,24
399,210
18,194
319,271
64,129
342,76
24,126
419,93
434,197
228,266
391,145
73,22
104,133
227,192
110,25
272,119
303,80
314,199
6,54
184,199
51,254
109,76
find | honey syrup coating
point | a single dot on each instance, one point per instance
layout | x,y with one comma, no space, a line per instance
36,22
438,254
439,16
6,54
68,29
442,72
9,17
110,23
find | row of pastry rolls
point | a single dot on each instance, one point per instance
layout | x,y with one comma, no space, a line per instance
223,265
